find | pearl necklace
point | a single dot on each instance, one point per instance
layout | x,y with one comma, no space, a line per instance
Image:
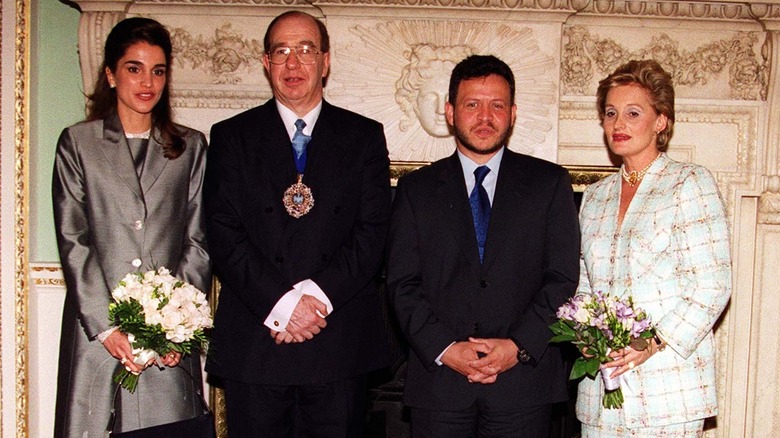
144,135
633,178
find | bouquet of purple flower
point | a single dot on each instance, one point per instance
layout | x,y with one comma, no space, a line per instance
598,324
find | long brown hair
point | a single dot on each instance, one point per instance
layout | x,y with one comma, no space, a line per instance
103,101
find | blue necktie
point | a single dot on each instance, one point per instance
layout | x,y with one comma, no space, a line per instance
299,142
480,208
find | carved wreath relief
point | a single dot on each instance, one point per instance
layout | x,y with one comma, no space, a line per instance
585,55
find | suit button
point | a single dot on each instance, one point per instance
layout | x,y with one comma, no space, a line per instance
337,209
138,225
483,284
269,209
325,258
136,263
279,259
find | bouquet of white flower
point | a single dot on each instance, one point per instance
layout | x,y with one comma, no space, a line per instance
159,313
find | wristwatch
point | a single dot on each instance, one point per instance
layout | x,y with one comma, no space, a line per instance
659,343
522,355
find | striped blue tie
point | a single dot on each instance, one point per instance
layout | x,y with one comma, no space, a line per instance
480,208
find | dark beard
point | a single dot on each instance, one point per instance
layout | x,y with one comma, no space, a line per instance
460,135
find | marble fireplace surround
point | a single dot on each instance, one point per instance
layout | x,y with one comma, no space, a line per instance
390,61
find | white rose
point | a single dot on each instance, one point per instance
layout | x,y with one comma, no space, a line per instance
582,315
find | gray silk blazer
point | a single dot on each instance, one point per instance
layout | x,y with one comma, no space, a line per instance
108,219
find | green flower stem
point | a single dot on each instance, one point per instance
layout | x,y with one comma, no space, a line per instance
613,399
128,380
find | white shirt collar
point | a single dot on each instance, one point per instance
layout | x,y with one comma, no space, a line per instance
491,178
289,118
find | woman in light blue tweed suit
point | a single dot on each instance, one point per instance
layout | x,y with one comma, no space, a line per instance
656,231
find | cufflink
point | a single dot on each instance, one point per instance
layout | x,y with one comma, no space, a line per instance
276,323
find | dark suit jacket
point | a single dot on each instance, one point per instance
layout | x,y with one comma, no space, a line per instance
442,294
259,251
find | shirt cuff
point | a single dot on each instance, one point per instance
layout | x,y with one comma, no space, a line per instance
280,315
438,358
309,287
104,335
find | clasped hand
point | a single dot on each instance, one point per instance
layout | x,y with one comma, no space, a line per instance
626,359
119,347
497,356
307,320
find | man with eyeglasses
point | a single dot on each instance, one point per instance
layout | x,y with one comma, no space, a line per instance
297,207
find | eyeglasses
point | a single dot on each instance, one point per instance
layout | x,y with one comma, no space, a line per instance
304,54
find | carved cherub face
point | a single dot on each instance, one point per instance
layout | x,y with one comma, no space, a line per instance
431,98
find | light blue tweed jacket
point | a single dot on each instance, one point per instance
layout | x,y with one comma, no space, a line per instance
672,255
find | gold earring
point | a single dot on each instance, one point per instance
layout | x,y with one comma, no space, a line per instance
112,85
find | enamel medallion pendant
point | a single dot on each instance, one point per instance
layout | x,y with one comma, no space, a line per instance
298,199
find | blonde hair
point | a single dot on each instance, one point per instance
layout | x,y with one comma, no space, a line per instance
649,75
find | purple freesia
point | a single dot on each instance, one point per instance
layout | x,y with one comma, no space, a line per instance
640,327
623,312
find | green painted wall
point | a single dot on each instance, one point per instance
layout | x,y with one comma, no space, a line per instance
56,101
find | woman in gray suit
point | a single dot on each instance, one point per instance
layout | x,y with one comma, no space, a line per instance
127,197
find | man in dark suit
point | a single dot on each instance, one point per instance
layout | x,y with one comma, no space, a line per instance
297,208
484,246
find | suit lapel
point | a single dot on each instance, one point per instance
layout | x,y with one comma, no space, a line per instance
116,151
451,191
272,146
508,199
326,150
154,163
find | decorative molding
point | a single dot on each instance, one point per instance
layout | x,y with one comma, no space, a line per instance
47,275
695,10
541,5
583,176
387,53
1,213
769,202
94,28
586,54
218,98
21,212
399,169
222,57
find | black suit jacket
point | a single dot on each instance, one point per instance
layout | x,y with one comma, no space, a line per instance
260,252
441,293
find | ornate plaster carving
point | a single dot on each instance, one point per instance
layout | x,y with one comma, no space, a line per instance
94,28
222,57
586,54
545,5
699,10
421,91
188,97
769,202
387,55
